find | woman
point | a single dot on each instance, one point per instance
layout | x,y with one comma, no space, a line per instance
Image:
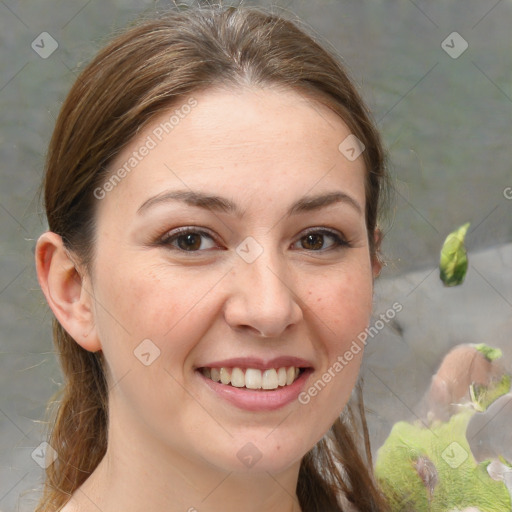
212,190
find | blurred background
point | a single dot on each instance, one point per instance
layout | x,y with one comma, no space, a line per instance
443,103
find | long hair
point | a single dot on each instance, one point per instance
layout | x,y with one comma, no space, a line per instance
149,67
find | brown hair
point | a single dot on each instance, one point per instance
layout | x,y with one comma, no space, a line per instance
144,70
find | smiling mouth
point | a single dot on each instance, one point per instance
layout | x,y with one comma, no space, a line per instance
252,378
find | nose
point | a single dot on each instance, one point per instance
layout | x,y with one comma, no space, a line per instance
263,299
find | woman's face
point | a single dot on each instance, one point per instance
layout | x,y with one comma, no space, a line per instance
280,274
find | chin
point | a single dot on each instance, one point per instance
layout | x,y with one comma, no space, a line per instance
261,455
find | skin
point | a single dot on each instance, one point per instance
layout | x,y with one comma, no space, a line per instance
173,443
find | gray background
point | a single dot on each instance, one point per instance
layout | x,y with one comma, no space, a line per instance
445,122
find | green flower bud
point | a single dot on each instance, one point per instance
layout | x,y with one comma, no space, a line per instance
453,263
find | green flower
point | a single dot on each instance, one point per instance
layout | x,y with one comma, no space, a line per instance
450,480
490,353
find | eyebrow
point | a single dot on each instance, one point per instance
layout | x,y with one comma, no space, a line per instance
222,204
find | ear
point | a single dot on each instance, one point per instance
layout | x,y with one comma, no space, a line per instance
66,290
376,261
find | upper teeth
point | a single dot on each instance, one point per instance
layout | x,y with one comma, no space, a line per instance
252,378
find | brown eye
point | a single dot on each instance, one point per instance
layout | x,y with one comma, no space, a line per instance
187,240
315,240
190,242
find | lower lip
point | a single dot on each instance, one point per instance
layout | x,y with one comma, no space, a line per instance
258,400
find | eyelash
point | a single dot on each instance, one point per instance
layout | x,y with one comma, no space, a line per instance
339,242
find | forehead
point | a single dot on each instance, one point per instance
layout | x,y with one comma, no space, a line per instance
253,142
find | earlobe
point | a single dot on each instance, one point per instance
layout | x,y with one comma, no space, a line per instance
65,290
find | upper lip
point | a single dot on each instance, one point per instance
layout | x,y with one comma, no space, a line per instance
258,363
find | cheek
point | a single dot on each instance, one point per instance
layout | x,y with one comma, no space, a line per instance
344,303
342,310
137,302
148,324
